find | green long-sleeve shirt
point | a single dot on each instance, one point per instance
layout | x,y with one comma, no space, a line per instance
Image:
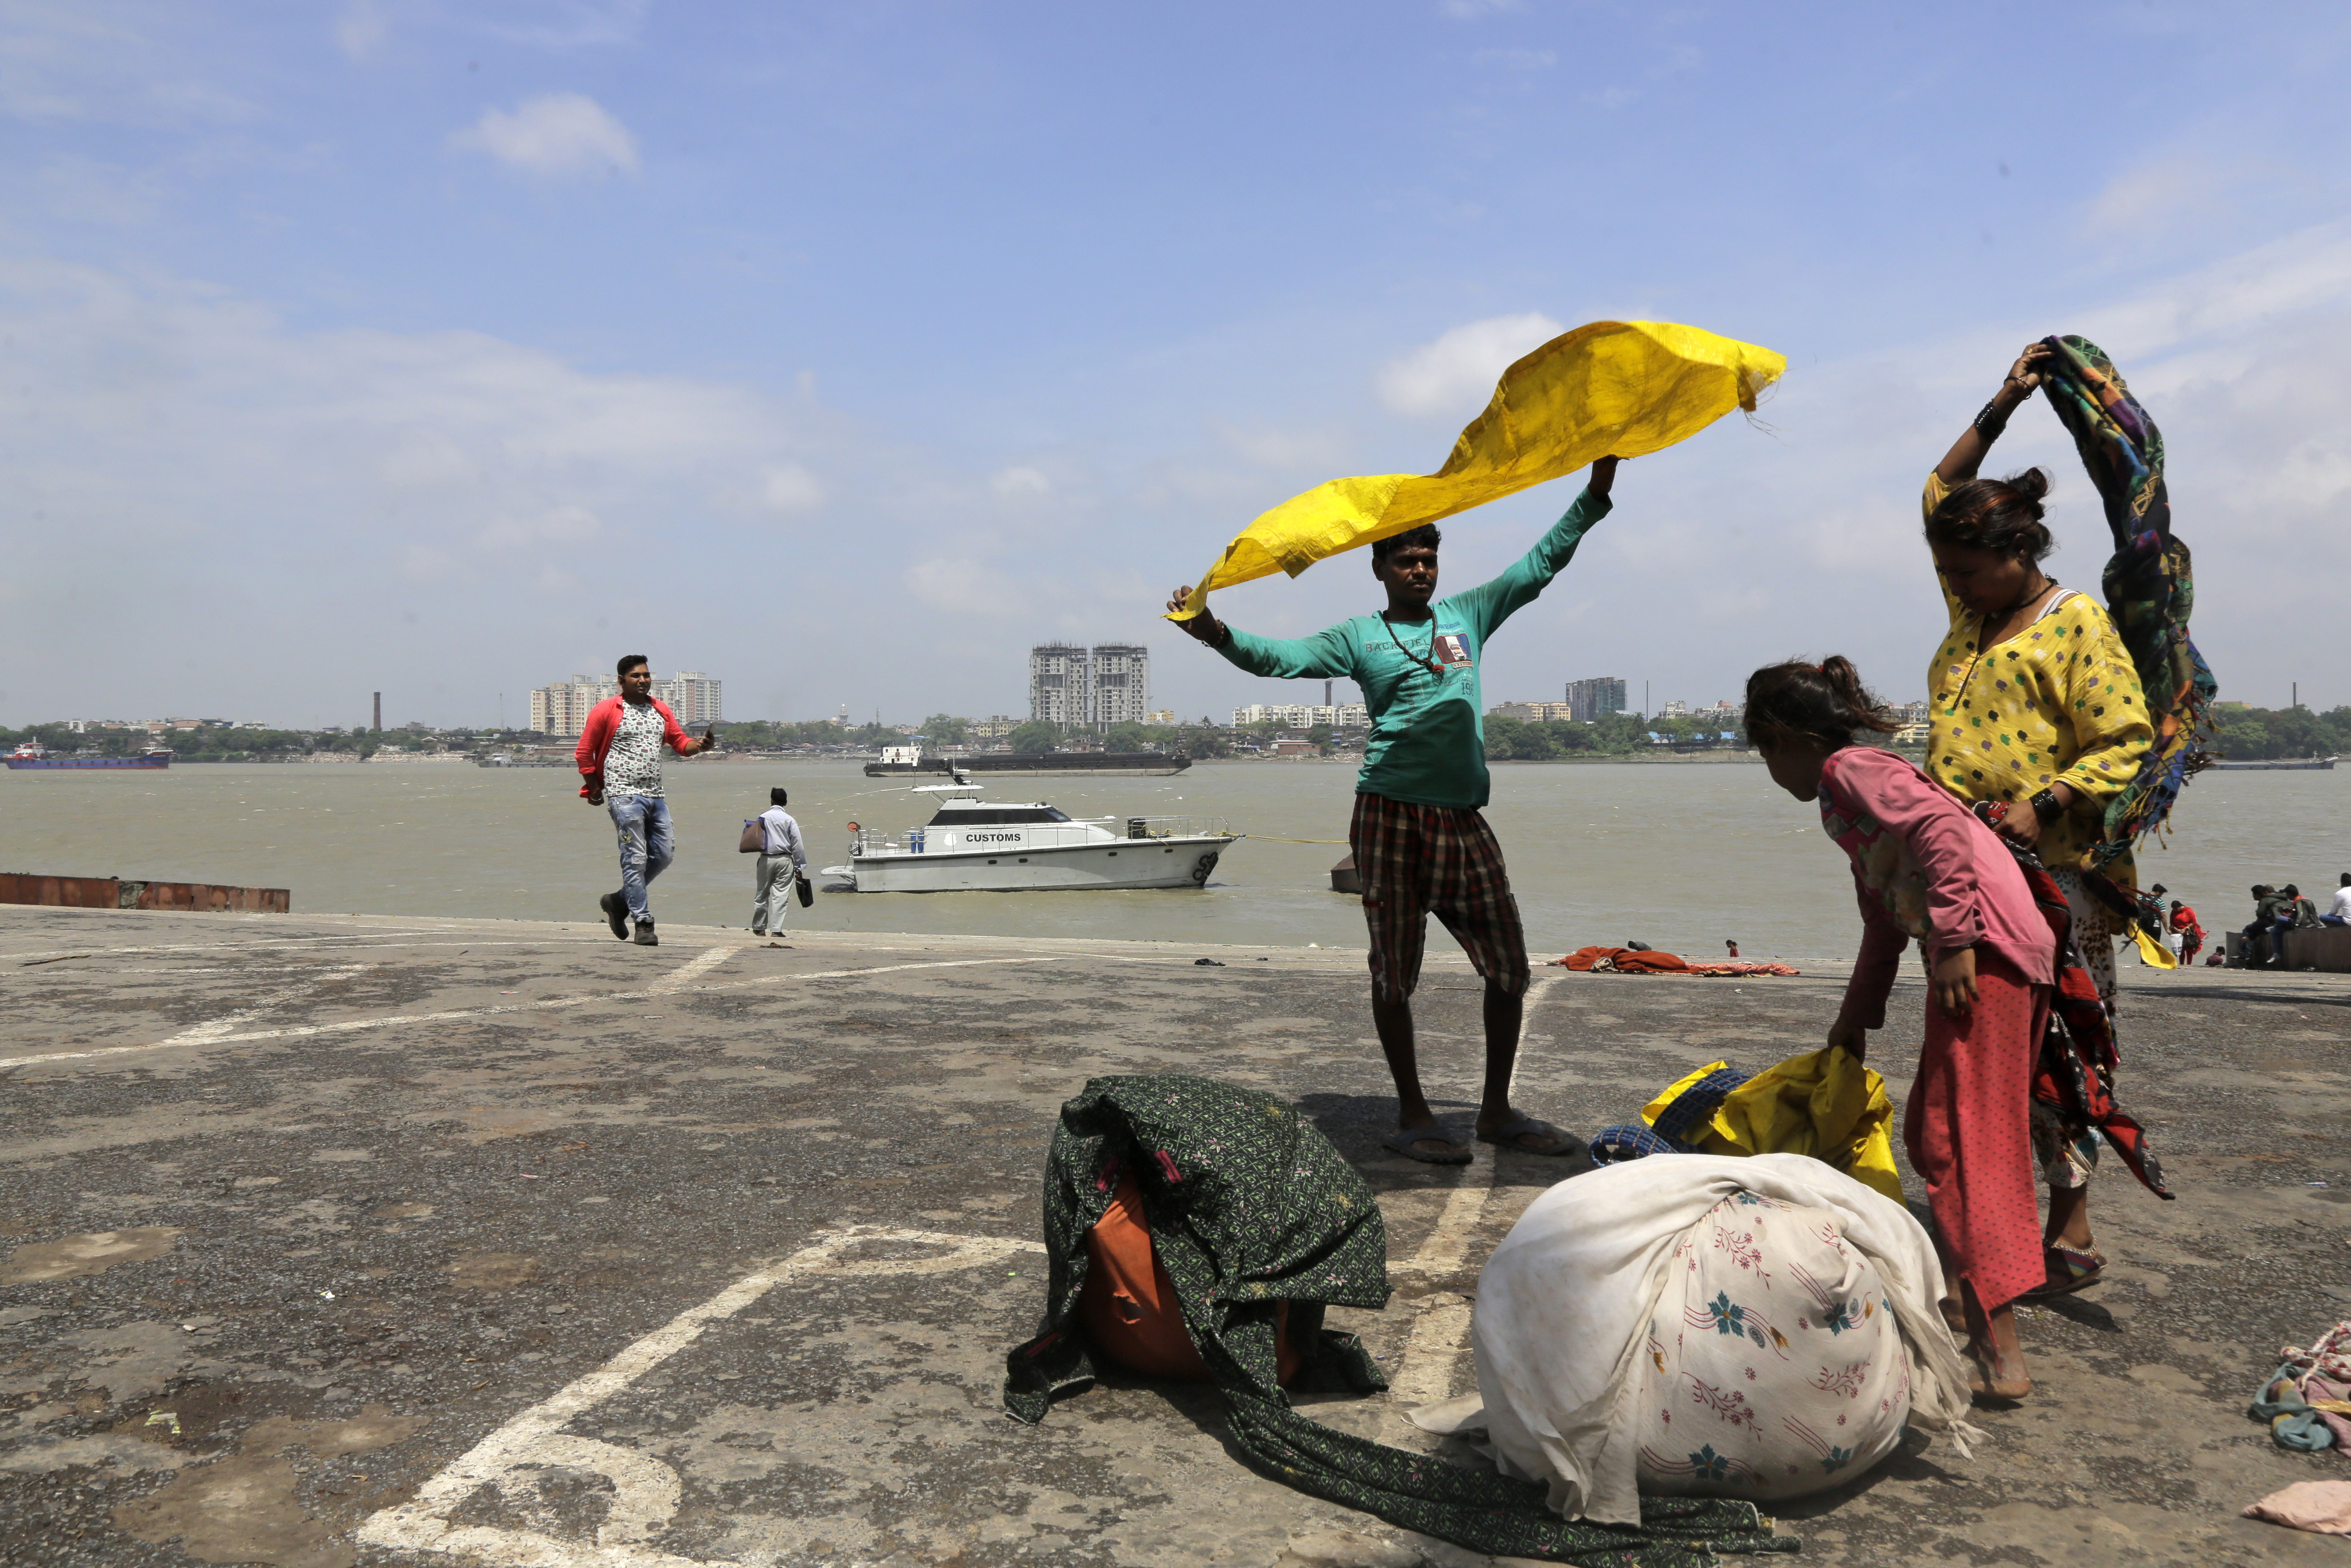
1427,743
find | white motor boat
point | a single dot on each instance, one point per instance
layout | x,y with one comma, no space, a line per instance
972,845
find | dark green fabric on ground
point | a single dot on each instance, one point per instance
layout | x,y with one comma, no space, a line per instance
1249,1205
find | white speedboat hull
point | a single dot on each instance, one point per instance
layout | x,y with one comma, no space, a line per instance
1038,868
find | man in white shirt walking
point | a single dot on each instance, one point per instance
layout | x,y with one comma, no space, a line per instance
781,862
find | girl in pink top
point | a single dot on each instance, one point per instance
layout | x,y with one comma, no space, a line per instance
1927,871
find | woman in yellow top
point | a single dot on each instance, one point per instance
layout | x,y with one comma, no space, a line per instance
2034,701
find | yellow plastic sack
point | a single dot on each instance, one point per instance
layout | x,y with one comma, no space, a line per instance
1621,389
2152,953
1823,1103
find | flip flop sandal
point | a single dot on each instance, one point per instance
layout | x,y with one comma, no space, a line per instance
1508,1134
2070,1269
1403,1139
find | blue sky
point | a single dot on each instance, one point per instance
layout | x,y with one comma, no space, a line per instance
845,351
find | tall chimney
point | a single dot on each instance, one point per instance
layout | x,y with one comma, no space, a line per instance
378,713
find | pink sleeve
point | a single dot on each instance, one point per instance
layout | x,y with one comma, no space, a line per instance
1874,966
1940,834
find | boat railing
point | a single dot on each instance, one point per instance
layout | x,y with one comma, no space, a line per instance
1177,828
875,842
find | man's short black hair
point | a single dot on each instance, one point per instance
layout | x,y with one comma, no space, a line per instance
630,662
1411,539
776,798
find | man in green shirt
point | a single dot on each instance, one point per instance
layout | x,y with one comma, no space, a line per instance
1421,844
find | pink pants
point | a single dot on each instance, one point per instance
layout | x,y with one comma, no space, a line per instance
1968,1128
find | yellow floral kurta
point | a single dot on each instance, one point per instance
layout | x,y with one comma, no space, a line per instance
2060,701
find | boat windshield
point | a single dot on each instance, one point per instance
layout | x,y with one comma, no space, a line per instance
962,814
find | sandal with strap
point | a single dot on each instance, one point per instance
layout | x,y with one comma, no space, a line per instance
2070,1269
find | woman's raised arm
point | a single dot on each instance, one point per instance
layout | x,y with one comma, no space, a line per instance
1967,453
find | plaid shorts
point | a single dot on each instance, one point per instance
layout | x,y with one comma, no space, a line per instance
1418,858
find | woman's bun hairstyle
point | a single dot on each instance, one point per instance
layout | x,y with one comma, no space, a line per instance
1826,701
1999,516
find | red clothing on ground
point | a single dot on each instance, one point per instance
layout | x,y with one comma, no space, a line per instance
1969,1129
596,739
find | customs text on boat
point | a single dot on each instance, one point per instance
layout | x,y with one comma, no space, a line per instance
975,845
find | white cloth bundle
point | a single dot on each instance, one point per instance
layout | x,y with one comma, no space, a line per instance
1608,1363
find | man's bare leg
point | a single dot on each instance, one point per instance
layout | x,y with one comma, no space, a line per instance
1392,1018
1505,1010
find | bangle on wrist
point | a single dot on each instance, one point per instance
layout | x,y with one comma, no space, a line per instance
1989,421
2047,807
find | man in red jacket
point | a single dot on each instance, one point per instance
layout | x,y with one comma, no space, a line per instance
620,758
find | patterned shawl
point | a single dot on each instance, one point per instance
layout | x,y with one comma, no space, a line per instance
2078,1056
1249,1205
2148,586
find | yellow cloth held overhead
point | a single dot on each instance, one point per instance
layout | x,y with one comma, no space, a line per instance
1822,1104
1611,389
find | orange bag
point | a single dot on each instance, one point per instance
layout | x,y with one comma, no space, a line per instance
1128,1303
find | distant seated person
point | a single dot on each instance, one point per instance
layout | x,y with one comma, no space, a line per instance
2340,915
2266,903
2294,913
1733,945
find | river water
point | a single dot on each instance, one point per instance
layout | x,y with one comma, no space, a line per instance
1682,856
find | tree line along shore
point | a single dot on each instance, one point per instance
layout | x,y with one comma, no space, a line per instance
2242,733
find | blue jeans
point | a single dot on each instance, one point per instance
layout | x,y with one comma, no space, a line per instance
646,845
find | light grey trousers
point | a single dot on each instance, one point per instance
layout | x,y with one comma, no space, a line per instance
772,884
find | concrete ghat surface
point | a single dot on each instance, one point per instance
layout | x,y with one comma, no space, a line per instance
420,1242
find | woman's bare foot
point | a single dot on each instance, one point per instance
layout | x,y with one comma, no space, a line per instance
1996,1361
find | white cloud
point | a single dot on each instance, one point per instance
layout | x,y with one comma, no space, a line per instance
361,30
560,133
789,488
967,588
565,525
2163,196
1456,374
1012,483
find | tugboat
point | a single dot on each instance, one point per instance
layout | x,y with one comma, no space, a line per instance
970,845
32,754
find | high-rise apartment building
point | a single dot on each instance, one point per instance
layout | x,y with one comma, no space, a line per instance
1595,698
1122,682
562,708
692,696
1059,691
1305,715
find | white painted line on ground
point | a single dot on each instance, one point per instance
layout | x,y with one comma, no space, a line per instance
1424,1372
550,1004
219,1028
645,1492
693,970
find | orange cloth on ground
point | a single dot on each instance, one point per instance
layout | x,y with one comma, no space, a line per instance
1128,1303
1627,960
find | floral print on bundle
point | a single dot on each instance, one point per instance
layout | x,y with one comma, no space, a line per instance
1774,1367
